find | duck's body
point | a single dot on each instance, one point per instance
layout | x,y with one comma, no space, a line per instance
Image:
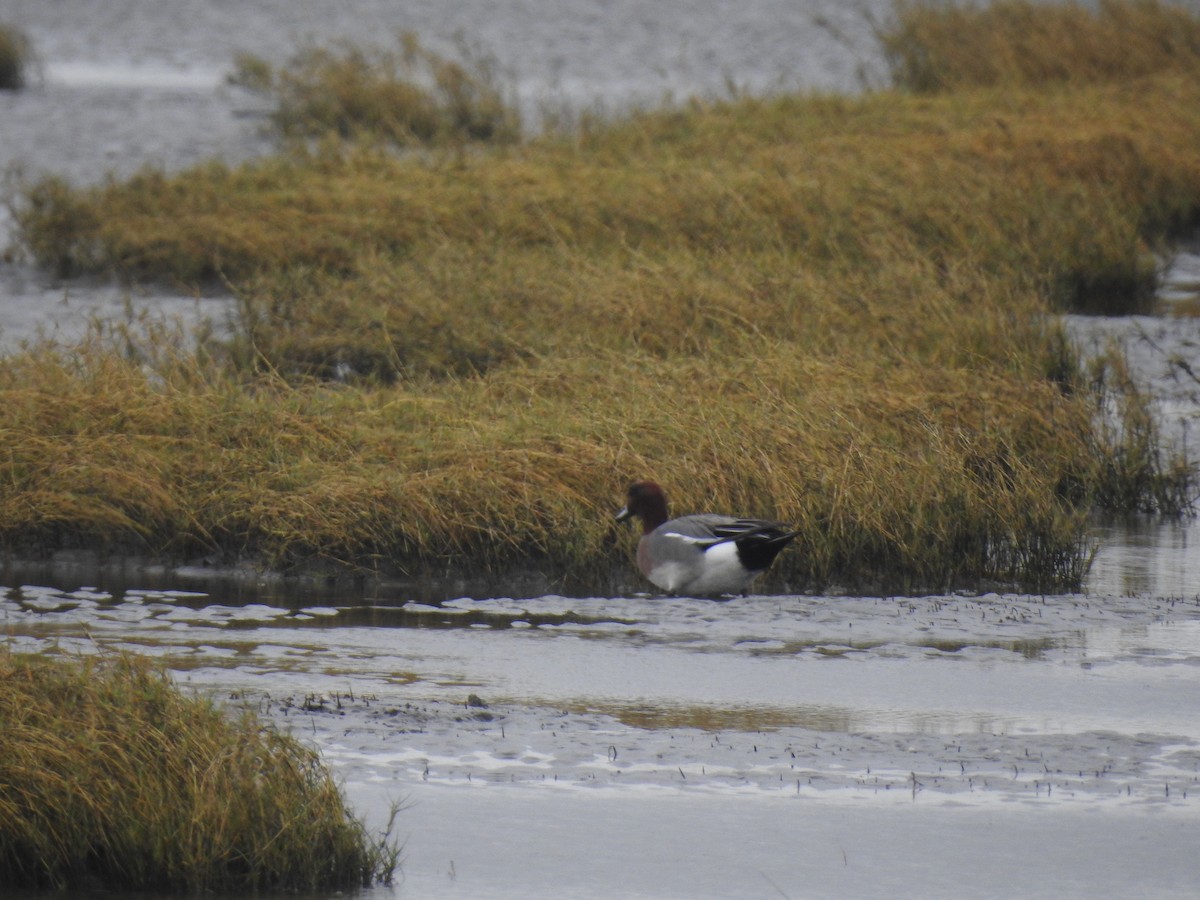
703,554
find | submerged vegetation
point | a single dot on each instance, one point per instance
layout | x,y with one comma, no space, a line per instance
111,778
829,310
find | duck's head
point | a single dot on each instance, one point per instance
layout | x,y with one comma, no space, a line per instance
647,501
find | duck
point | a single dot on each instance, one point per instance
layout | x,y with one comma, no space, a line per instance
701,555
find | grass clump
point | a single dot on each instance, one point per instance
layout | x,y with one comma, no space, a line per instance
112,779
932,47
15,58
404,95
1137,475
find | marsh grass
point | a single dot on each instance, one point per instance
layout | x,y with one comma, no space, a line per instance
933,47
1137,474
402,95
892,476
114,780
16,58
830,310
1071,191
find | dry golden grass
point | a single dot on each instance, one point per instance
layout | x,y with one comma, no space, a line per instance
407,95
951,46
894,474
1069,188
113,780
831,310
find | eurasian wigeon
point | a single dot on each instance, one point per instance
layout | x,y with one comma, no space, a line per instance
705,554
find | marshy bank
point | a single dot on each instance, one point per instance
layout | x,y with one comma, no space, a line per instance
835,310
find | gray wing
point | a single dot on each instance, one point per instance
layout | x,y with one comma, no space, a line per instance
707,529
758,540
700,532
679,543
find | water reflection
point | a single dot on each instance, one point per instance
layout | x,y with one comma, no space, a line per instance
122,577
716,719
828,720
1146,557
1152,644
1136,557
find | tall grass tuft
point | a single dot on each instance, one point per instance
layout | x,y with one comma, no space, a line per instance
407,95
111,779
1137,474
932,47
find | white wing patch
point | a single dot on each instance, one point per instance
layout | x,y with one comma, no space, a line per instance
687,538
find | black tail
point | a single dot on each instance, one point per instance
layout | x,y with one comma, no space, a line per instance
758,549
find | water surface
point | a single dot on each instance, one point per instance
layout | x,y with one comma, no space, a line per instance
977,714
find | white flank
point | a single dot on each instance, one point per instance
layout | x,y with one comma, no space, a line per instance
723,572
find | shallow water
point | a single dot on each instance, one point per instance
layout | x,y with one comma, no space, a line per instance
959,745
975,715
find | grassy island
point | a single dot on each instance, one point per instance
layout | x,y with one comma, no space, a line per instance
112,779
453,355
